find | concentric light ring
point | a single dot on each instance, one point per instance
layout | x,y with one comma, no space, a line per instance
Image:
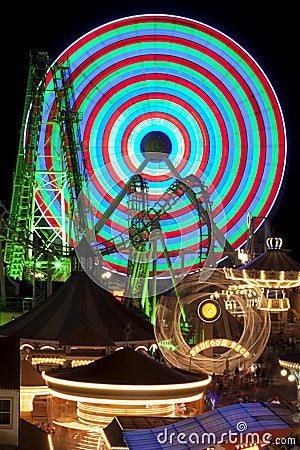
188,80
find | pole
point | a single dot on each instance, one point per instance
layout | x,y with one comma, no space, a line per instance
2,278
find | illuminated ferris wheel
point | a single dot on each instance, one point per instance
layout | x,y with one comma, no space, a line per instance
129,81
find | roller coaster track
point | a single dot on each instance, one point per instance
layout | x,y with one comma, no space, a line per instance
145,220
22,198
13,232
26,222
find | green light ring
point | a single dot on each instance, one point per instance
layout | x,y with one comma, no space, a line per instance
212,39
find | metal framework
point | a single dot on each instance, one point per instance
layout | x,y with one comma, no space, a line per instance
63,175
13,234
24,177
33,176
259,230
145,234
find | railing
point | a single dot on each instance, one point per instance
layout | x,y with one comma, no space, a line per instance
16,304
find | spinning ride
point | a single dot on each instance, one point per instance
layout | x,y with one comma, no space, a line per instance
128,82
164,73
216,327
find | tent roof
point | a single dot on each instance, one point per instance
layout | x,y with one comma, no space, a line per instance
30,376
113,431
273,260
126,366
84,336
80,312
256,417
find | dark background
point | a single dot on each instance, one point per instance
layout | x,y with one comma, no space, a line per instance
266,30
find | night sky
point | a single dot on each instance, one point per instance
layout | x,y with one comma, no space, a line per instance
266,30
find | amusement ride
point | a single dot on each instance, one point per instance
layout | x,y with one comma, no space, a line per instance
147,147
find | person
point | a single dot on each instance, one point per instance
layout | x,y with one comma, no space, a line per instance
220,387
240,399
237,376
276,401
180,409
252,370
258,372
264,378
214,380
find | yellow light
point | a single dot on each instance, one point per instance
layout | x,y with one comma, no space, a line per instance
291,377
209,310
81,362
91,413
118,293
106,275
104,401
125,394
27,394
50,443
41,360
125,387
219,343
289,364
253,447
264,279
283,372
142,347
26,345
242,256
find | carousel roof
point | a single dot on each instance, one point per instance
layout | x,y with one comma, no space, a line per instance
127,367
80,312
274,269
291,357
274,259
125,376
277,260
290,360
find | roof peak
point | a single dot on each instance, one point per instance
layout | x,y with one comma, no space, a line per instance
127,366
274,243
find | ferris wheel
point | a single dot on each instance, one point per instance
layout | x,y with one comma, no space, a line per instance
175,87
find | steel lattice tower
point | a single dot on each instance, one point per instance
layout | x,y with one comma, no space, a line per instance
33,175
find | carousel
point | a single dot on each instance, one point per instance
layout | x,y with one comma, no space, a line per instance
277,276
127,382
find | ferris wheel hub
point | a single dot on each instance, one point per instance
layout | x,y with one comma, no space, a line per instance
156,145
